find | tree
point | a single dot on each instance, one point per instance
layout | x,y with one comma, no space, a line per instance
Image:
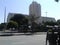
50,23
20,19
33,23
12,24
3,26
33,18
58,21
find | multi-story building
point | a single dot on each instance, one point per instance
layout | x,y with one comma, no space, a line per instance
10,15
35,11
48,19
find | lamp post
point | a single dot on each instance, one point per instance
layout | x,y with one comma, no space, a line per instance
4,1
46,15
4,15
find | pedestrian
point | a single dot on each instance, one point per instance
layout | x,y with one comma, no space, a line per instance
59,38
51,37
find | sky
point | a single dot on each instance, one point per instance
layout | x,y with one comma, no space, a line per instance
22,6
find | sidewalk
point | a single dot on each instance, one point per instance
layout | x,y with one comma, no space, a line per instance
17,34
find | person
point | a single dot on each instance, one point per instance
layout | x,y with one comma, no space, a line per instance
51,37
59,38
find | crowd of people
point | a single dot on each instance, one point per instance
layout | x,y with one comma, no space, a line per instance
53,37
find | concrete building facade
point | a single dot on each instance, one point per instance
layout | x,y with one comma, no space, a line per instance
48,19
10,15
35,10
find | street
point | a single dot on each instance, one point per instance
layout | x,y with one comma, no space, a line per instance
23,40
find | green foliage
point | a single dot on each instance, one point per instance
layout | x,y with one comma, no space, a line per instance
58,21
20,19
2,25
12,24
50,23
17,18
22,22
34,25
33,18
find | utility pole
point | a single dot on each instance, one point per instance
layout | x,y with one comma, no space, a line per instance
4,18
4,14
46,13
46,16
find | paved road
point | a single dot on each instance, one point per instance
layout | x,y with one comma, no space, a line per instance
23,40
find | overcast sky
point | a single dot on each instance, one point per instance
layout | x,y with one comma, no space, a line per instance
22,6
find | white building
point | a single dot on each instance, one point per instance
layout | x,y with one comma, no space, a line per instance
35,10
48,19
